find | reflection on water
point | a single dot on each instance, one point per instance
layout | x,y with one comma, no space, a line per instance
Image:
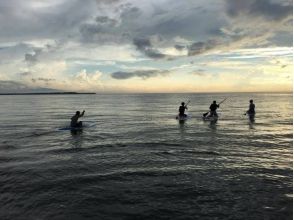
76,132
141,163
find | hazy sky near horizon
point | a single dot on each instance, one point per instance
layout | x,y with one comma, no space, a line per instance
146,46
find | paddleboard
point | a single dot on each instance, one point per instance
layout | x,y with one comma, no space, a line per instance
214,118
86,124
183,118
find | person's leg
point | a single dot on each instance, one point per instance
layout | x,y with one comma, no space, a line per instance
211,114
80,124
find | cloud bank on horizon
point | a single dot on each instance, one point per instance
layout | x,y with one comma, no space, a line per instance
150,46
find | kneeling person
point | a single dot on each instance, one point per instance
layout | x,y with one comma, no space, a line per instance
74,119
182,109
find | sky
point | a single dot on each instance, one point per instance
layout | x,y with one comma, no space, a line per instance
163,46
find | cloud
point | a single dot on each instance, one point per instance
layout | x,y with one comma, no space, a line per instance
266,8
143,74
33,58
39,20
24,74
46,80
58,39
144,45
202,47
180,47
9,86
104,20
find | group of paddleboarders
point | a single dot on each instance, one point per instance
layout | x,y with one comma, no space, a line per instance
183,107
213,107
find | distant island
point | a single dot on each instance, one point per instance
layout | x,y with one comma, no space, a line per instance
50,93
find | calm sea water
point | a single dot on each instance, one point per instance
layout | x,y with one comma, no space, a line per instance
138,162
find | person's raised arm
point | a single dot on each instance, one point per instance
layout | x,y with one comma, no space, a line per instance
82,114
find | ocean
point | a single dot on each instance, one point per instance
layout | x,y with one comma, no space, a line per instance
139,162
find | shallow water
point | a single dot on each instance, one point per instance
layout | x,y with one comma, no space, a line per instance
138,162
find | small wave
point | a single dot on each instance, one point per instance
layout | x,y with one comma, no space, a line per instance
79,149
7,146
173,152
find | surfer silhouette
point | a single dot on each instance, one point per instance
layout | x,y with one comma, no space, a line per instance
74,119
251,110
213,108
182,110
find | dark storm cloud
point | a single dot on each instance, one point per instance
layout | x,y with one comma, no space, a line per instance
144,74
144,46
266,8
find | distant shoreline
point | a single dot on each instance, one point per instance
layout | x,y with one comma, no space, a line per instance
140,93
50,93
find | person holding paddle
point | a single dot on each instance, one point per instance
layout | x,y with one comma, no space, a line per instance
213,107
251,110
74,120
182,109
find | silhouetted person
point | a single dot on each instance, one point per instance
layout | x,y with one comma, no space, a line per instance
213,108
182,109
74,119
251,110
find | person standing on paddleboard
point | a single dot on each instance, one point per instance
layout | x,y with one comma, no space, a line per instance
251,110
213,108
74,119
182,110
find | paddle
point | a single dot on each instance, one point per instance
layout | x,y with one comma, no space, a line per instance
222,101
187,103
205,114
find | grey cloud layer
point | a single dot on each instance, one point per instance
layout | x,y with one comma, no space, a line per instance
144,45
27,20
143,74
204,25
269,9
